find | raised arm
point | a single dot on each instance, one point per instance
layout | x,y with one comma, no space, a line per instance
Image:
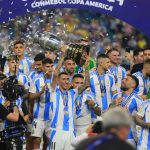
59,65
87,82
33,96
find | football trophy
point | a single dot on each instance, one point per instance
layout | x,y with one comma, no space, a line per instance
49,41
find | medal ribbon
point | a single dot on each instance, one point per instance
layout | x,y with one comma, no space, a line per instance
64,96
126,100
101,83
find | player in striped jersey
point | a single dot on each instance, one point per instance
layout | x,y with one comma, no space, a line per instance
38,69
38,66
115,69
86,106
102,83
13,70
129,101
40,92
144,80
62,130
24,62
143,120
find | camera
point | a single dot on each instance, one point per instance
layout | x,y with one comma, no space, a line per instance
13,131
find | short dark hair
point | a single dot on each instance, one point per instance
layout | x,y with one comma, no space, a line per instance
97,127
135,80
68,58
18,42
111,50
78,76
87,49
47,61
39,57
136,52
147,48
147,62
62,73
102,56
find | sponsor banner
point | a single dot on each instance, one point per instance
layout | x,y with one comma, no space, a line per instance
134,12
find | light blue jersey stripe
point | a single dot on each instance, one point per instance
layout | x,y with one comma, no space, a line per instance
144,140
54,122
51,138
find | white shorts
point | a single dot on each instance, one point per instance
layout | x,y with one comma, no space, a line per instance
61,140
39,127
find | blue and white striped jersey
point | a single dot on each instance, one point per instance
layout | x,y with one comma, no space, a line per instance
144,83
132,104
33,75
84,114
42,104
22,79
103,87
119,74
144,139
24,66
63,109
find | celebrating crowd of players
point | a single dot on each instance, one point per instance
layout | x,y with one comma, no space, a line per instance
64,99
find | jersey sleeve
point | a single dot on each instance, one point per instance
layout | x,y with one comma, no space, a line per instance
76,69
115,96
92,63
78,105
141,110
6,68
124,74
32,88
140,87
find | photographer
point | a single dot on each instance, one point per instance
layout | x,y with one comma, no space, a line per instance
10,99
6,115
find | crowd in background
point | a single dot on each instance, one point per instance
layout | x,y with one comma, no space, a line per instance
102,30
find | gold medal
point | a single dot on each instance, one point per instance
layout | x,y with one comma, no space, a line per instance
102,94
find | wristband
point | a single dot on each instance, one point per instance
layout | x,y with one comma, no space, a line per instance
95,105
